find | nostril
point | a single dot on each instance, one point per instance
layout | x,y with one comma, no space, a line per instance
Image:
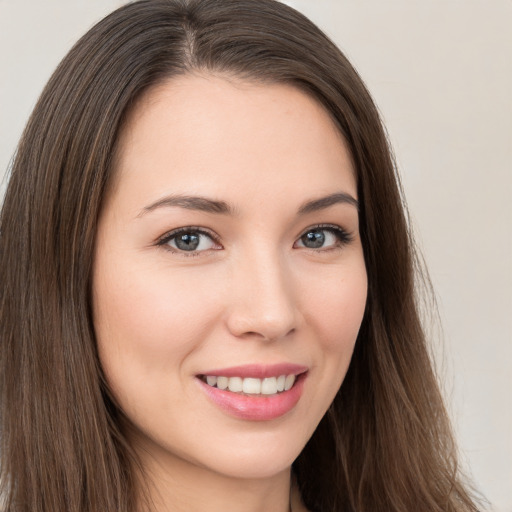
267,335
263,305
247,323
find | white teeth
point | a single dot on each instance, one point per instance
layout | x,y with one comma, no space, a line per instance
288,383
222,382
211,380
235,384
269,386
251,385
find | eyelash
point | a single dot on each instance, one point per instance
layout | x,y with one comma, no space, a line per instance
165,239
343,238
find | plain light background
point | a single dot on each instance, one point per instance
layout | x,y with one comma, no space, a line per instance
441,74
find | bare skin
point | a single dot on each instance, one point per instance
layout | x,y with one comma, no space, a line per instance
265,268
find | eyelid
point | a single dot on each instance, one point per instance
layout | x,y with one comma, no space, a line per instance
165,238
344,236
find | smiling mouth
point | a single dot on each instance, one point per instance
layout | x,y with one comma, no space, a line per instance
255,392
252,386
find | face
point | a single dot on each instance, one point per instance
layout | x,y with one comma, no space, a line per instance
228,254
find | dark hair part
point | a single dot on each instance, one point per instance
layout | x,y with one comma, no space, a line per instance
385,443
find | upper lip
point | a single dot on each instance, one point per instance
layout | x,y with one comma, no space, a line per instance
258,371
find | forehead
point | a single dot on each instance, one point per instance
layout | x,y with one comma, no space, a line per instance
216,135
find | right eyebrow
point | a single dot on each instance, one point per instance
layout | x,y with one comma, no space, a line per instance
203,204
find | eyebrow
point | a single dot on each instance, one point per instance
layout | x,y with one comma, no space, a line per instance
202,204
207,205
330,200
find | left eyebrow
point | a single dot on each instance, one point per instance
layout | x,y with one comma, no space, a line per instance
203,204
330,200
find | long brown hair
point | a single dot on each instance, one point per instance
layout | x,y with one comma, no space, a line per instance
385,443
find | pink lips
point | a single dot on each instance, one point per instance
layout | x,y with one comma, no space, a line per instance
258,407
259,371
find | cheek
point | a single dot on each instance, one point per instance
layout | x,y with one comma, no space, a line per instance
335,314
148,320
336,308
347,312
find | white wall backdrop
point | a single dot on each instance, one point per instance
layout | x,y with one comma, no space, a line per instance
441,73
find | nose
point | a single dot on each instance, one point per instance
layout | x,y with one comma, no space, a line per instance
263,303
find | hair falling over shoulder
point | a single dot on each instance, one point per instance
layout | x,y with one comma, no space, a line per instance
385,443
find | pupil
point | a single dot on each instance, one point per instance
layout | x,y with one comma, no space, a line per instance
187,242
313,239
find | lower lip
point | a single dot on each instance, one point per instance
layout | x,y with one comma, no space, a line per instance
256,408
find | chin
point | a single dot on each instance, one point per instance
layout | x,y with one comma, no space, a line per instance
253,466
257,458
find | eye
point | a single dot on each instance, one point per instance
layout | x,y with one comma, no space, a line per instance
188,240
323,237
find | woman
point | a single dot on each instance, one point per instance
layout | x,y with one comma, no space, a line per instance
207,280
